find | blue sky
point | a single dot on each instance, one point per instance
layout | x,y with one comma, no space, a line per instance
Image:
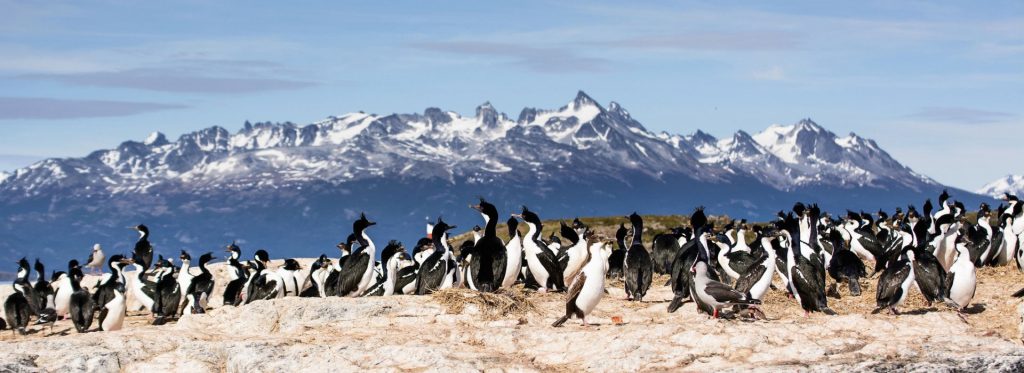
940,85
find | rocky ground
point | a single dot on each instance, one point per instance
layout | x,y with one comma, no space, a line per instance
444,333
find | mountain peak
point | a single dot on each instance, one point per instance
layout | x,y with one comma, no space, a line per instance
582,99
701,137
807,124
156,139
486,114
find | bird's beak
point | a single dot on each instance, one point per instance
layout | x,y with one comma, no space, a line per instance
451,227
371,223
517,216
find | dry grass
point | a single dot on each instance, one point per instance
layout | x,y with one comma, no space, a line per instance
502,303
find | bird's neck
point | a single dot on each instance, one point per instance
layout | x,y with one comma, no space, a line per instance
638,233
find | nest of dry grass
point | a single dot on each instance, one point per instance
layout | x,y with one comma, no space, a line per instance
502,303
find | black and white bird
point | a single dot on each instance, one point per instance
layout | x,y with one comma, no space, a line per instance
756,281
142,289
264,284
862,241
845,266
143,249
319,270
487,267
289,274
112,313
637,267
682,276
806,278
357,275
664,248
615,260
81,307
895,282
513,253
200,288
587,287
62,295
438,270
544,271
167,295
391,257
108,284
962,278
43,291
237,276
333,281
576,249
930,276
18,308
734,262
185,276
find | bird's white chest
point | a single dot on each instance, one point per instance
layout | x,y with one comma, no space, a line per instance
115,313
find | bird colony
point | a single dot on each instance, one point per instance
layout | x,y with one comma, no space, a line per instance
723,273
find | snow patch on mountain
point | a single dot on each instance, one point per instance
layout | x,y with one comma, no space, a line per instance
1013,184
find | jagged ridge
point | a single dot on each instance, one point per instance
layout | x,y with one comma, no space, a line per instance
577,139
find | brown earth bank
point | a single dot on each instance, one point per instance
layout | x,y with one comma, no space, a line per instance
460,331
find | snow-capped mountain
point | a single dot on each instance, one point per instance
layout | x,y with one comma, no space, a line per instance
282,184
1013,184
446,145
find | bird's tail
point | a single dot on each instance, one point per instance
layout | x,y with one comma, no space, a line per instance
828,311
1019,293
560,321
677,302
950,303
854,286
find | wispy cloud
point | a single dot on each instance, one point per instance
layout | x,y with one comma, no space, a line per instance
538,59
960,115
712,41
174,79
54,108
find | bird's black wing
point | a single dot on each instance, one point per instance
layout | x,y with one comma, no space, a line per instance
889,284
748,279
353,273
723,293
554,269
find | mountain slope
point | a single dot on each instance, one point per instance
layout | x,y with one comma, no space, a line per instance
296,188
1013,184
